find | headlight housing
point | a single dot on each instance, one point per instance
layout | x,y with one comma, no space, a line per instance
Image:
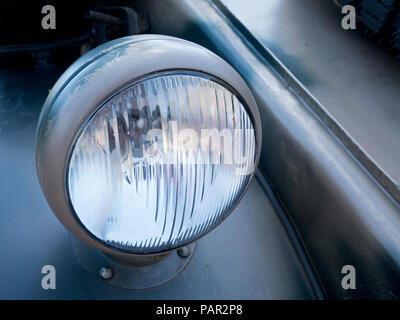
146,144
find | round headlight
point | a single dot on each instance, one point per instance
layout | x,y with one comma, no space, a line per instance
146,144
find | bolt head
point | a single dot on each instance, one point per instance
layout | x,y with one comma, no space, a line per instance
184,252
106,273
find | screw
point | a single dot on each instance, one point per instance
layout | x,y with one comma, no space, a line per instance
106,273
184,252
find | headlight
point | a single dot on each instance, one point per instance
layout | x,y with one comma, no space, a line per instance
162,162
146,144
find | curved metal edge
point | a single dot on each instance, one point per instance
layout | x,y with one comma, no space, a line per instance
90,83
374,169
311,275
340,212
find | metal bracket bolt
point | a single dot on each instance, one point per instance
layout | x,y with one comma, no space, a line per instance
106,273
184,252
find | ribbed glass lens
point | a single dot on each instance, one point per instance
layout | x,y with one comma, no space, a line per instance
161,163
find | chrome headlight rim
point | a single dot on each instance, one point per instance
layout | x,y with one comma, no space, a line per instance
159,55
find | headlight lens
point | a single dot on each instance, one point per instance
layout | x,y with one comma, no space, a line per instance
162,162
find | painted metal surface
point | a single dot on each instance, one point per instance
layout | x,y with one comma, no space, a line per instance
355,79
342,215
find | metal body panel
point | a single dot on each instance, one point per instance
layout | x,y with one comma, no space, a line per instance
342,215
356,80
249,256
